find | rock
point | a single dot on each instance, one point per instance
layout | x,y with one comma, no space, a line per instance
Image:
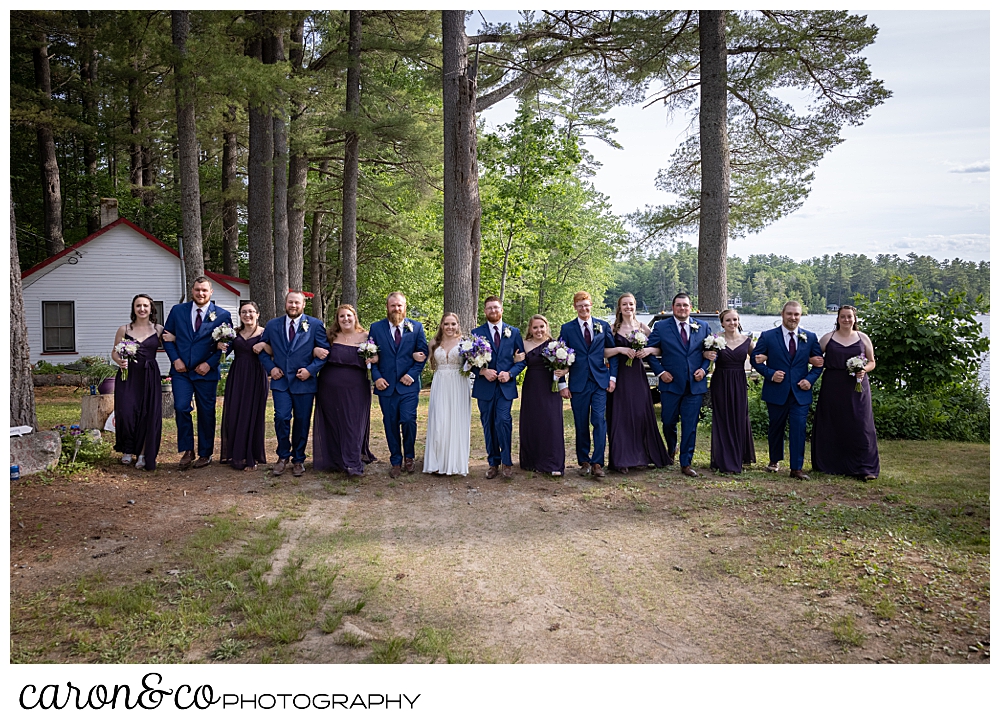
360,633
35,452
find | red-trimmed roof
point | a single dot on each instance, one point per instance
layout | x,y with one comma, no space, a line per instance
220,278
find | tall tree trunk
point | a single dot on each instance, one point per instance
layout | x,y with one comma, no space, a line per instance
187,151
317,256
22,388
259,177
713,231
280,172
230,226
298,168
349,228
135,129
461,178
51,187
88,77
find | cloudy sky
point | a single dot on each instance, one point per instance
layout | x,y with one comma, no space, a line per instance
914,178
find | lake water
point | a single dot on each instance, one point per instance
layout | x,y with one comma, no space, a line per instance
823,323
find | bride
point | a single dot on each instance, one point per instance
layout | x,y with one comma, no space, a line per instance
449,412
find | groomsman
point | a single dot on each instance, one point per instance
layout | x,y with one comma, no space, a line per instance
495,387
681,368
590,379
786,354
195,357
397,379
293,369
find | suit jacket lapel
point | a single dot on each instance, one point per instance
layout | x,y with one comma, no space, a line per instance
205,320
299,334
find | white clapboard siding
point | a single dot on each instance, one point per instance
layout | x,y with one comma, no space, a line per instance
109,270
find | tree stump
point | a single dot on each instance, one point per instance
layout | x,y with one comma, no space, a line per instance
168,403
95,410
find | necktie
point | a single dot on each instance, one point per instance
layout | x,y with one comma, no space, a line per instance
397,337
684,333
291,331
197,321
791,345
586,333
496,338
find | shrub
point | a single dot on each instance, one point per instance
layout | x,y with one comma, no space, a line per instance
956,412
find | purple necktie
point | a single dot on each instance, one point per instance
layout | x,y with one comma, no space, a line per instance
791,345
496,338
197,321
684,334
291,331
397,337
586,334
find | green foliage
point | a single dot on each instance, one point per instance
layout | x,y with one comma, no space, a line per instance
81,448
952,412
923,342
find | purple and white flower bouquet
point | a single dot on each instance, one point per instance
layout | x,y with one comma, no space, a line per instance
854,366
714,342
559,356
475,351
368,350
637,341
224,333
128,350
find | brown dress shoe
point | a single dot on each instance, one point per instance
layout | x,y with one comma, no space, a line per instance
492,472
508,471
279,467
408,465
584,469
394,471
186,459
597,470
298,469
773,467
690,472
798,475
202,462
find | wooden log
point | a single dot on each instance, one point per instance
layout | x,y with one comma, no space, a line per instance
94,411
168,403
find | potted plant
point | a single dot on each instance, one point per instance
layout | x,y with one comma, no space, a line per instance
99,375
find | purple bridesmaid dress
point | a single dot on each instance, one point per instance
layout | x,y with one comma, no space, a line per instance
540,425
342,423
634,439
138,404
732,439
243,404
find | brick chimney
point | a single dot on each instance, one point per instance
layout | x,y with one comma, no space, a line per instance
109,211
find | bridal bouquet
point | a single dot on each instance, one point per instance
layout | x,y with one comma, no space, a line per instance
714,342
224,333
367,350
855,365
637,341
128,350
559,356
475,351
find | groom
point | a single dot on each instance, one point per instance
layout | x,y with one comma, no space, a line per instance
195,358
788,381
495,387
397,379
292,369
681,368
590,381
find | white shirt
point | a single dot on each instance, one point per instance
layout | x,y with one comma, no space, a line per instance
204,313
680,326
496,329
788,335
289,322
394,327
586,324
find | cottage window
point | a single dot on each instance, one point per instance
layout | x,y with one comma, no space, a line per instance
158,306
58,327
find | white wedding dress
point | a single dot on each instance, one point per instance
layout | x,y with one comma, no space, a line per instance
449,416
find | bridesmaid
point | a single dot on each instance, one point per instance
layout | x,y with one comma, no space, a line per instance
634,439
245,396
843,436
732,440
342,423
540,427
139,397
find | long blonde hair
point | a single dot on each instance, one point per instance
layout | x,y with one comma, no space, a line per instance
618,312
333,329
436,342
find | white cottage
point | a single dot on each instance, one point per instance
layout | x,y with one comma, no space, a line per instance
75,301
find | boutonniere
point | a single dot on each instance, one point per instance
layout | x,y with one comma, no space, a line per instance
694,326
597,328
802,336
211,316
506,332
305,326
408,326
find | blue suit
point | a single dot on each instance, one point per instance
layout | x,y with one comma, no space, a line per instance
193,348
786,402
399,401
293,397
495,398
680,399
589,377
